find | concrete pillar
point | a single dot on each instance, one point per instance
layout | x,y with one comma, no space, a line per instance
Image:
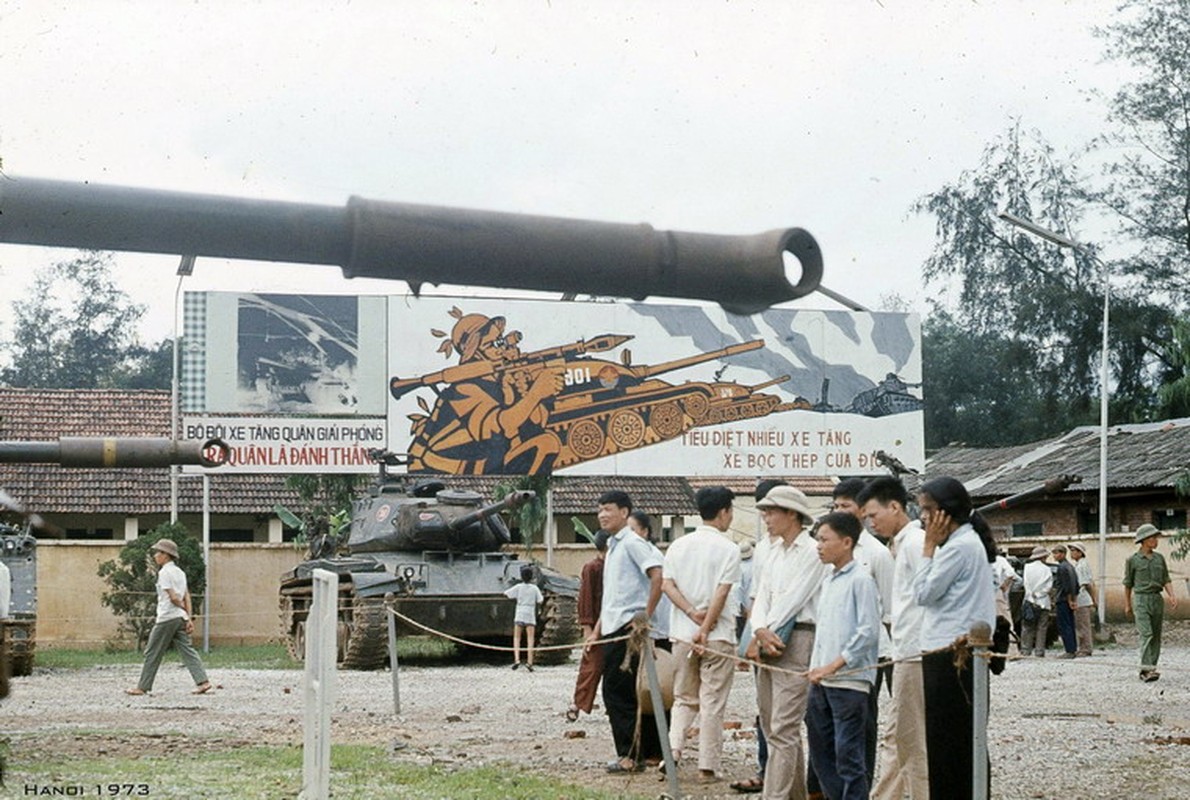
131,528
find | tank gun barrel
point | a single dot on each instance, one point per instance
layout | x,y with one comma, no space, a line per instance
108,452
1049,487
417,243
511,500
678,363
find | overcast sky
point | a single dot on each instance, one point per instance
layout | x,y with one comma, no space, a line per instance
831,115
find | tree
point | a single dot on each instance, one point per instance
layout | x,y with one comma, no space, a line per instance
326,501
1037,307
76,329
1028,292
1148,169
132,579
529,517
980,389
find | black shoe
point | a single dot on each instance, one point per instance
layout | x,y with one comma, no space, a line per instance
529,667
517,665
1150,675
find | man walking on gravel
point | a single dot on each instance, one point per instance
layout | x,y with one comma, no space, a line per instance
174,623
1145,575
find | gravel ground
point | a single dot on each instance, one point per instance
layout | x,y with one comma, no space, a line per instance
1065,729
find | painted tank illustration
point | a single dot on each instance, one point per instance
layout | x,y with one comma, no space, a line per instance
436,554
600,408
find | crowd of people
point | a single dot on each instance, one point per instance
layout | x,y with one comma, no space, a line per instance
829,612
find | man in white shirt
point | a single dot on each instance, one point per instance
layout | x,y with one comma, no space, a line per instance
1039,579
5,590
699,572
787,593
174,623
903,764
1086,598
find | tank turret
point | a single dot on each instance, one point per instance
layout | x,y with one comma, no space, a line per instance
417,243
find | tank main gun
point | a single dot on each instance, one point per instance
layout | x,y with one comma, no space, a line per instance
115,452
510,501
1057,484
417,243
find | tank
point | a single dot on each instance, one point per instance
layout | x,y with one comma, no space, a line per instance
418,243
436,555
18,552
603,407
18,546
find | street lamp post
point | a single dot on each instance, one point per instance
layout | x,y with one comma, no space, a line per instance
1063,241
185,268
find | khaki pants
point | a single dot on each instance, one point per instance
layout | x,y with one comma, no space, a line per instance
702,685
782,699
1082,630
903,764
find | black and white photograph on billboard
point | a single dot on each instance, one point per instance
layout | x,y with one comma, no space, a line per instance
291,354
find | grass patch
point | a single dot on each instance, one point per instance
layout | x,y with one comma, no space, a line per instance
266,773
422,650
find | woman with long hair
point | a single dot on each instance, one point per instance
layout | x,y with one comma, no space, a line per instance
955,589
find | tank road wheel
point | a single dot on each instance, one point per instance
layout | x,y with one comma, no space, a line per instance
586,439
627,429
666,420
293,626
366,645
696,406
558,624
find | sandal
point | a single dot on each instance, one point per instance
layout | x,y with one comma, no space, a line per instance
625,765
137,692
202,688
572,714
749,786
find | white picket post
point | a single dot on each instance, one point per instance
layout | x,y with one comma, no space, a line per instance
319,686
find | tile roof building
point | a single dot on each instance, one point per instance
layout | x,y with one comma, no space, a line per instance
1144,465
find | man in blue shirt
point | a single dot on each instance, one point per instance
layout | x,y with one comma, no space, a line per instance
843,663
631,583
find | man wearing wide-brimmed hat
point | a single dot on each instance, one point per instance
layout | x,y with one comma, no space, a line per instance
174,622
783,621
1086,599
1035,609
1145,576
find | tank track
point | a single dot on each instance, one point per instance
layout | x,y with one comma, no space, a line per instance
362,634
559,625
366,633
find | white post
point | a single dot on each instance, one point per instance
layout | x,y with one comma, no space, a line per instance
550,532
980,639
392,658
206,557
319,686
1103,397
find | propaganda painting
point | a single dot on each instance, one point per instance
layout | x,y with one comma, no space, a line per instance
481,386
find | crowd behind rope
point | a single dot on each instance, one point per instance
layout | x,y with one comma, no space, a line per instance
828,612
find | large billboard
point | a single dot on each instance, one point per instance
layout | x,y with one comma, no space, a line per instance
495,386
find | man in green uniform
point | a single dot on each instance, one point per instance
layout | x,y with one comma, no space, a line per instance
1145,575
